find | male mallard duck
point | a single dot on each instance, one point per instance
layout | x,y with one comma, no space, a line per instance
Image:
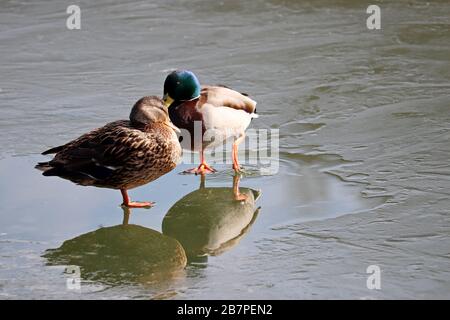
222,111
121,155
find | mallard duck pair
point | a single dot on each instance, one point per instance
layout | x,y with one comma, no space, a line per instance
126,154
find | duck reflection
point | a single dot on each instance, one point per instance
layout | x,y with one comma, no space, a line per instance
210,221
122,253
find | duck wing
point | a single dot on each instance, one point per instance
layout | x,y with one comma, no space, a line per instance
224,86
222,96
96,155
225,112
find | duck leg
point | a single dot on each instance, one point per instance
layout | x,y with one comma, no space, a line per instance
234,153
203,168
237,195
126,215
133,204
202,182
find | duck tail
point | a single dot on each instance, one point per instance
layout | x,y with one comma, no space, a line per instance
44,167
52,150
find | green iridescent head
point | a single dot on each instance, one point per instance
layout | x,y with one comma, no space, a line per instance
181,85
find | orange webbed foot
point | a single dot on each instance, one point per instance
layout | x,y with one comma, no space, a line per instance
201,169
135,204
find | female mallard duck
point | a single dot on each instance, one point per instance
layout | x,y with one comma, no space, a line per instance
223,113
122,154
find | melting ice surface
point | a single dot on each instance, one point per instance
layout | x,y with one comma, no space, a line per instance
364,148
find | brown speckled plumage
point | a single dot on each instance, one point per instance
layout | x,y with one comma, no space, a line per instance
120,155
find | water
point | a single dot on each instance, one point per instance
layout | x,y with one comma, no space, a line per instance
364,144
